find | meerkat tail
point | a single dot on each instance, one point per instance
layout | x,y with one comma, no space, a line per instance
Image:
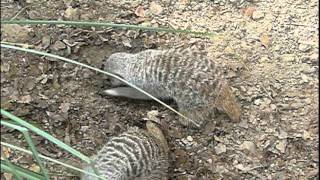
127,92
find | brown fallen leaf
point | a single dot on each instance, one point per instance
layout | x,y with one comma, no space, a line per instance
265,40
248,11
140,11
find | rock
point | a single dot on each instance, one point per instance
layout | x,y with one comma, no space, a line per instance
5,67
249,146
273,107
296,105
304,47
288,57
306,135
241,167
282,134
257,15
308,100
257,101
72,13
314,58
46,40
281,146
264,59
189,138
220,148
64,107
304,78
209,161
310,70
155,8
58,45
243,89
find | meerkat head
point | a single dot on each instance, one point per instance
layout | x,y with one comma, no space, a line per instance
117,63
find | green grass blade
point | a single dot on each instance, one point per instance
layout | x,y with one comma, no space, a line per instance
46,135
48,159
27,137
98,70
19,171
105,24
13,126
35,154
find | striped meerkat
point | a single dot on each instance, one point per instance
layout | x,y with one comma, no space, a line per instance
132,155
186,75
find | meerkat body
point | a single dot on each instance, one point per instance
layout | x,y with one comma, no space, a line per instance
187,76
132,155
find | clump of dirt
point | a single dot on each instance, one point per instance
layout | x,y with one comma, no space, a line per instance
268,50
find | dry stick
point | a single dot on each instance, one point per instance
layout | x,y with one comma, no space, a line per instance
98,70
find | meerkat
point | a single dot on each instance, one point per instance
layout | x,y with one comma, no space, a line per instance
136,154
187,76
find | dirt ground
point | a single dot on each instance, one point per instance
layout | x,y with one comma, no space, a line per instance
268,50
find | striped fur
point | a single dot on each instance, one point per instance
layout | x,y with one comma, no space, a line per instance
135,154
185,75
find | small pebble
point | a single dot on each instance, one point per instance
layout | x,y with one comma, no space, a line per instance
304,47
220,148
189,138
249,146
155,8
72,13
304,78
58,45
281,146
257,15
288,57
257,101
273,106
283,134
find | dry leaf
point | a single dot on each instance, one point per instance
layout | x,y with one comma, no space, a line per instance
248,11
265,40
140,11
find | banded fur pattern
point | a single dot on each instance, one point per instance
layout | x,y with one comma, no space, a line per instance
135,154
186,75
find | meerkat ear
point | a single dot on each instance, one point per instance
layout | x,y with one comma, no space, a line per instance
127,92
